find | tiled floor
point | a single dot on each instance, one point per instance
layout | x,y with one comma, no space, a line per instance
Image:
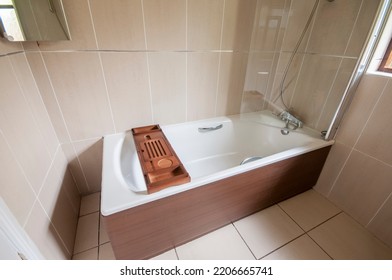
306,227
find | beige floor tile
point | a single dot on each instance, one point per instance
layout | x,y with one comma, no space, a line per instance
106,252
309,209
343,238
222,244
103,236
267,230
90,204
302,248
91,254
87,233
169,255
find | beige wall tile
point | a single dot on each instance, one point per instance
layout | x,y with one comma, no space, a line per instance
83,101
15,189
360,108
59,204
259,71
75,168
44,235
362,27
333,26
376,137
168,87
7,47
204,24
332,167
202,85
44,85
64,219
68,183
165,23
289,84
90,156
20,129
363,180
50,192
298,16
80,27
59,185
381,224
31,93
231,83
30,46
127,80
336,94
118,24
237,24
310,96
270,21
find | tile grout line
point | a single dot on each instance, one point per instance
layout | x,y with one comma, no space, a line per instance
291,218
102,69
246,244
318,245
307,231
309,31
352,31
24,176
357,140
186,60
219,59
304,233
147,61
175,251
65,124
329,93
29,105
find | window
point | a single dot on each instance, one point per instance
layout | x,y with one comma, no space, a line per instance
10,22
386,63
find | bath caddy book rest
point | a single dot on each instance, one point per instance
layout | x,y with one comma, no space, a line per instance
160,165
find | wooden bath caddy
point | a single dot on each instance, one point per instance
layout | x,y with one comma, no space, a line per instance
161,166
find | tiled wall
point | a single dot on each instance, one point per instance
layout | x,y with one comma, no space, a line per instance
168,61
326,58
34,182
358,173
155,61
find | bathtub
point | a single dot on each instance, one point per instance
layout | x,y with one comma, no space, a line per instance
238,165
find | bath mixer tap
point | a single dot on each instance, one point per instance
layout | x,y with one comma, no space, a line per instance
291,121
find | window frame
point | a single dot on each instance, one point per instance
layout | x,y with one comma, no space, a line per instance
387,60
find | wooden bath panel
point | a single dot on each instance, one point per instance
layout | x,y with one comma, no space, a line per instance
147,230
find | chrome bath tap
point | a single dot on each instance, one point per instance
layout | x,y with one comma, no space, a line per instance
292,123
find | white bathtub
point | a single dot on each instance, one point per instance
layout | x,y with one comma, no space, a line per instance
208,156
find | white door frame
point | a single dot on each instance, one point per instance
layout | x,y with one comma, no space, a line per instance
16,234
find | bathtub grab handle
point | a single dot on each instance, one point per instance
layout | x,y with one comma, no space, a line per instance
211,128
